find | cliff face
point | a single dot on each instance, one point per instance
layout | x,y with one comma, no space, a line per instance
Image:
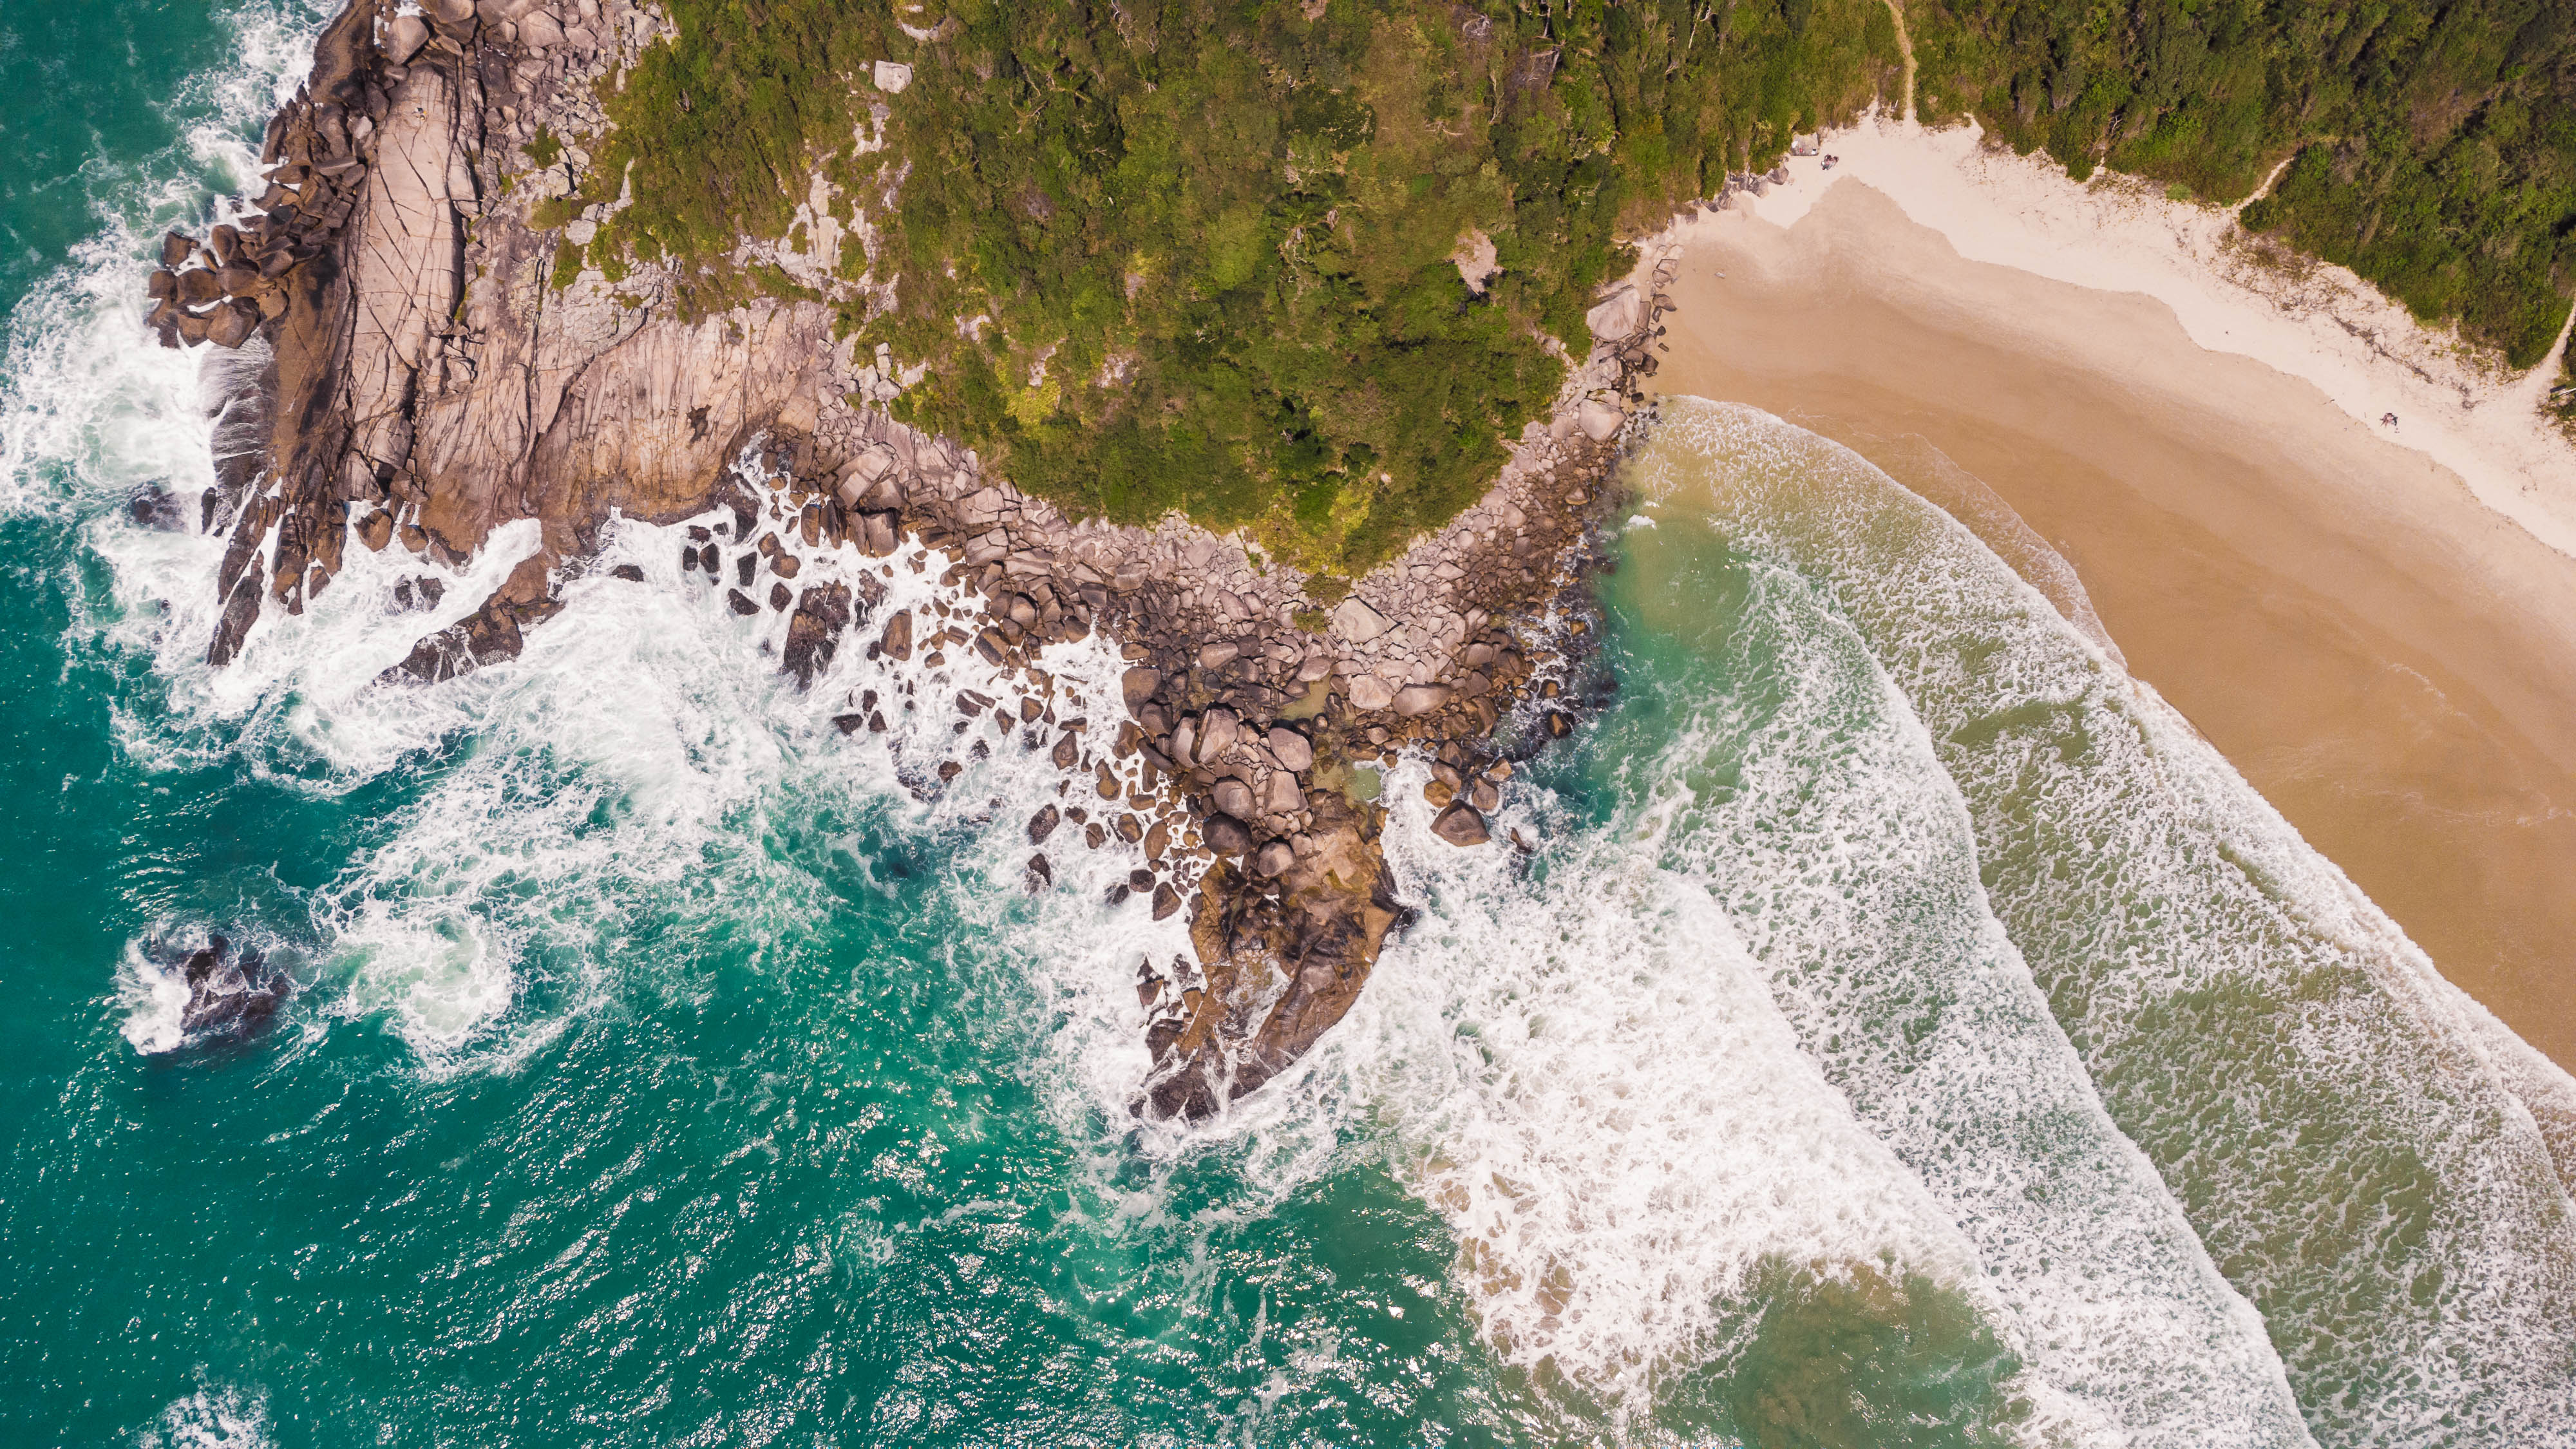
429,383
430,373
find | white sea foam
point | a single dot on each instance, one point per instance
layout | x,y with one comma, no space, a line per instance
1585,1074
214,1416
2338,1133
152,984
90,406
652,707
626,761
634,752
1807,798
155,997
1932,474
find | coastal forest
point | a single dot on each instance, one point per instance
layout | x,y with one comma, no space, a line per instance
1208,257
2430,147
1299,266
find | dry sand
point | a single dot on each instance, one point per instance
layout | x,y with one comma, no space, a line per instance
2392,663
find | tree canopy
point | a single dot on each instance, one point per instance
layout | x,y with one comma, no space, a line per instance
1198,254
2432,146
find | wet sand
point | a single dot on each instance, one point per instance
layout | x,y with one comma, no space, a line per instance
2390,663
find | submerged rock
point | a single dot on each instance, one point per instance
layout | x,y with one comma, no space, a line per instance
155,507
233,992
421,593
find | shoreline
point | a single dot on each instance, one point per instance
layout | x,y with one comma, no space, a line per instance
397,413
2456,403
2388,660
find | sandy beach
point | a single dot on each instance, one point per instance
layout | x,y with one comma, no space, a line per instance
2388,658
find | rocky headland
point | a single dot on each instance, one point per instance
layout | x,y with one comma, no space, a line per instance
410,363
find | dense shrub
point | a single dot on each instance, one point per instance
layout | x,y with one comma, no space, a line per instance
1211,242
2434,144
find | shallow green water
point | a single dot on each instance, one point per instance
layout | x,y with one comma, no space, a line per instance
1902,1034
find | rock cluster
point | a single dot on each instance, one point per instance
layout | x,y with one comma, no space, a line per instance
233,992
1247,706
218,292
316,161
431,380
1746,183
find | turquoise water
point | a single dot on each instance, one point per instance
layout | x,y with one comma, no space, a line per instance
1904,1032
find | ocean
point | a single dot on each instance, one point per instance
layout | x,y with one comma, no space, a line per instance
1901,1029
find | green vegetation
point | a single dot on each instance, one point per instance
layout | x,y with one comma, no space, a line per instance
545,148
2434,144
1196,254
1210,243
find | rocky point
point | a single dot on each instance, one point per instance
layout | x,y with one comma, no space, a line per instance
402,369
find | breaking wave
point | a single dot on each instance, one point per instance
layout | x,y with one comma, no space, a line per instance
1903,1028
2345,1136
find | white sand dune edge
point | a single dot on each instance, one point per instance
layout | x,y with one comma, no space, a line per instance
2454,403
